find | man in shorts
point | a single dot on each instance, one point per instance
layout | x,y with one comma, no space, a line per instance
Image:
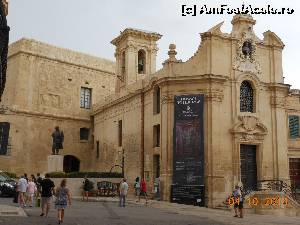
238,202
47,192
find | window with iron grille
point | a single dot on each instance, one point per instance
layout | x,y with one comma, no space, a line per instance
84,134
4,136
120,132
294,126
98,150
85,98
156,135
246,97
156,100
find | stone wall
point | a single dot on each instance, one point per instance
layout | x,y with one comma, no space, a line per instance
43,90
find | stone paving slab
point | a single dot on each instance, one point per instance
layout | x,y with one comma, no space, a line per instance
206,214
6,210
217,215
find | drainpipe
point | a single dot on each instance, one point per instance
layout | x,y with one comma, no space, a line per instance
142,135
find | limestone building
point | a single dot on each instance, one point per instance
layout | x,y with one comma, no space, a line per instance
46,87
243,134
223,117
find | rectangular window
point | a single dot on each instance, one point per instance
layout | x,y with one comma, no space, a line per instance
120,132
85,98
84,134
156,100
156,135
98,150
294,126
4,135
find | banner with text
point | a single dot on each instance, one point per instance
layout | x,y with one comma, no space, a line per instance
188,164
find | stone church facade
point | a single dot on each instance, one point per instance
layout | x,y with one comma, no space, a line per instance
246,109
250,116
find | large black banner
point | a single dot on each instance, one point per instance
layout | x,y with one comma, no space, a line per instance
188,154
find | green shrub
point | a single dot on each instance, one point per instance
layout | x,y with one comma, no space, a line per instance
57,175
83,174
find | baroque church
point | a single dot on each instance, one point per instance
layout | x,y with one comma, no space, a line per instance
223,117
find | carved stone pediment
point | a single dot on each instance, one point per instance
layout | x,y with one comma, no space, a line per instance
249,128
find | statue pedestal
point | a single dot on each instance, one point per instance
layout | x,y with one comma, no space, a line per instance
55,163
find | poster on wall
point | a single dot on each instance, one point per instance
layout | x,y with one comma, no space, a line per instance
188,154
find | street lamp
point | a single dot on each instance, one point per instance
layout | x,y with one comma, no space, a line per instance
122,164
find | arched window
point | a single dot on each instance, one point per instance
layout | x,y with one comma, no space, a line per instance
141,61
246,97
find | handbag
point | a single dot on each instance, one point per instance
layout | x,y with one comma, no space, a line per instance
38,202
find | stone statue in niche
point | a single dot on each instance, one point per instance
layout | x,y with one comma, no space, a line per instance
58,139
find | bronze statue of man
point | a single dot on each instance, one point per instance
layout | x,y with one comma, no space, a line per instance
58,139
4,36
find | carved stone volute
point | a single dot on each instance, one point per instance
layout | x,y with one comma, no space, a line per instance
249,128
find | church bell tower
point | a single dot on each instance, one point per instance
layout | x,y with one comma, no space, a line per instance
135,55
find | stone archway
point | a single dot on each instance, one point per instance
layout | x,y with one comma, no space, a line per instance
71,164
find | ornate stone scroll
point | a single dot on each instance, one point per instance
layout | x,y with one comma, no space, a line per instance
249,128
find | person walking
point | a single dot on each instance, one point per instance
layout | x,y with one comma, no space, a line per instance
39,189
123,192
86,189
33,178
22,187
47,192
143,190
137,187
238,202
39,180
63,197
31,190
25,177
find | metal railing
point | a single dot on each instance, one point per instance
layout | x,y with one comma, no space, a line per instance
273,185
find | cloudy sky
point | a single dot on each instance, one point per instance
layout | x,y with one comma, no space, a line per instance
89,25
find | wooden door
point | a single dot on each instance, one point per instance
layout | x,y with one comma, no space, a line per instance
248,167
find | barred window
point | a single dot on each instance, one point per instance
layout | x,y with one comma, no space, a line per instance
85,98
84,133
156,100
4,135
294,126
246,97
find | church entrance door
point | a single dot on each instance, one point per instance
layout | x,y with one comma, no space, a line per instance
71,164
248,167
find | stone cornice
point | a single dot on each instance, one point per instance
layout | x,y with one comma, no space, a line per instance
46,51
148,85
279,87
136,33
4,110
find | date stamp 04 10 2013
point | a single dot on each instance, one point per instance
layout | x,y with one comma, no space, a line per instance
268,201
